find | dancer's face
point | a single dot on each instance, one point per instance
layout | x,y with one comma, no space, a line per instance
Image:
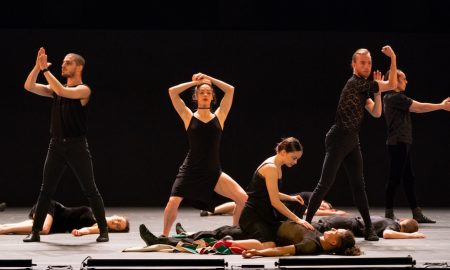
401,82
291,158
69,67
362,66
204,96
116,223
333,236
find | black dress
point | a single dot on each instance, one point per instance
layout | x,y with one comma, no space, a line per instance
198,175
65,219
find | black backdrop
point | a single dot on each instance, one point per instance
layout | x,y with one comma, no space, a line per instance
288,73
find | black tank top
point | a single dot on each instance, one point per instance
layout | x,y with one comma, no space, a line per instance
259,199
68,117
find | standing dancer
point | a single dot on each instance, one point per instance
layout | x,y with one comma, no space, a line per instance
342,141
200,176
397,108
68,146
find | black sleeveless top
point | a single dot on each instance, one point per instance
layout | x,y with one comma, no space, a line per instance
68,117
259,199
201,169
65,219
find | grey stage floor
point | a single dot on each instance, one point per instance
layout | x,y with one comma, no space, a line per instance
64,249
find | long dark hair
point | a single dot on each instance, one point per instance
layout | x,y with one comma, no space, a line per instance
347,245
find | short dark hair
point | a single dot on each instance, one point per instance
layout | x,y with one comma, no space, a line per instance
409,226
386,76
79,60
347,245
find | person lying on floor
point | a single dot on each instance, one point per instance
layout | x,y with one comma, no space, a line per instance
61,219
384,227
293,239
325,209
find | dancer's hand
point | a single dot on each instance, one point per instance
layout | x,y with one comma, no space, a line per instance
418,235
377,76
297,198
446,104
250,253
305,224
388,51
42,61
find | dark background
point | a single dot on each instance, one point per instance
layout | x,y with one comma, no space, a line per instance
287,59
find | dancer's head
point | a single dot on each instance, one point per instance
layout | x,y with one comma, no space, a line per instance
324,205
290,150
118,224
362,63
409,225
204,95
401,80
73,65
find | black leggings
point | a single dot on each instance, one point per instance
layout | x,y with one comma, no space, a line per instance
73,153
400,171
341,148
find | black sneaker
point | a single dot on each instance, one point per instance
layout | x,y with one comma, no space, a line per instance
103,237
148,237
32,237
420,217
204,213
179,229
370,235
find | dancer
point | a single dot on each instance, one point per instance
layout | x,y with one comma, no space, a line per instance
259,219
200,176
397,112
68,146
61,219
384,227
342,141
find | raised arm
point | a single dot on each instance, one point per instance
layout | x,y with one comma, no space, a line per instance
30,83
390,84
78,92
183,111
227,100
270,174
419,107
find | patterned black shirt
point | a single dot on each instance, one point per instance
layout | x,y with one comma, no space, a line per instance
350,110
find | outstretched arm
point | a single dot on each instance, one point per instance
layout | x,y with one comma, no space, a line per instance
390,234
30,83
418,107
183,111
86,230
25,226
270,252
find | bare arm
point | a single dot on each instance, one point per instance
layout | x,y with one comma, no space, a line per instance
86,230
419,107
390,84
390,234
270,252
30,83
295,198
183,111
270,174
374,108
77,92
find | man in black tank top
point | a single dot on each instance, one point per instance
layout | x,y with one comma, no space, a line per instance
342,141
68,145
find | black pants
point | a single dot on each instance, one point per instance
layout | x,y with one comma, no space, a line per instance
341,148
73,153
400,171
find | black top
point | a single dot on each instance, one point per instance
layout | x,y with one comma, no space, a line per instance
356,224
398,117
68,117
65,219
201,169
350,110
259,200
305,241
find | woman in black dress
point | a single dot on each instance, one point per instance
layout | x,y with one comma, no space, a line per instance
61,219
200,177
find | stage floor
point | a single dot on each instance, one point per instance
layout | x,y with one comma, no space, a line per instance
64,249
